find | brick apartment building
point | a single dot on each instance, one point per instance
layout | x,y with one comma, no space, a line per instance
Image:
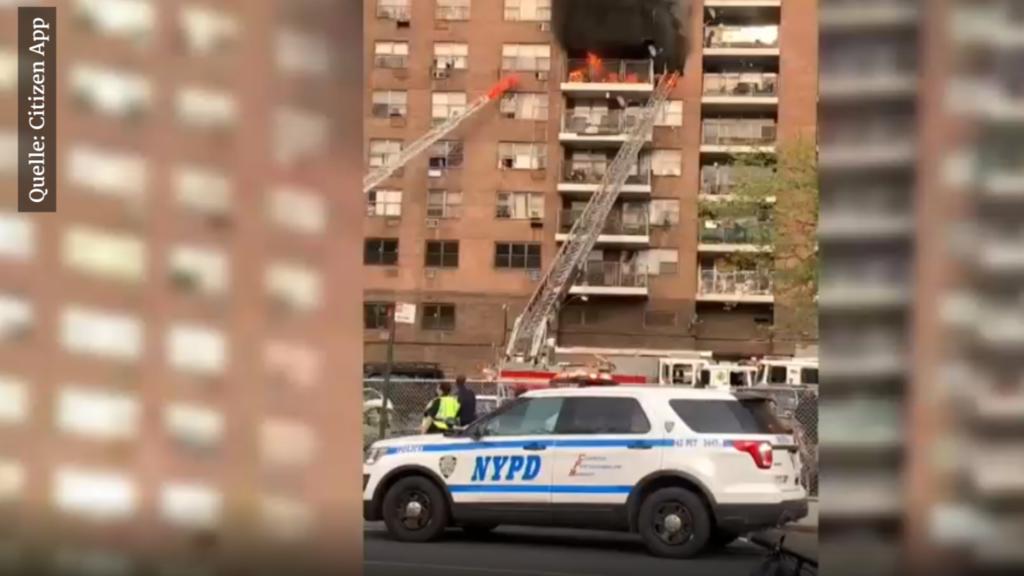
168,335
465,230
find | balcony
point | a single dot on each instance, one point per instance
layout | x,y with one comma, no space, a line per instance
609,279
596,76
874,82
868,146
741,40
718,237
629,229
599,128
750,286
737,136
870,14
718,181
583,178
743,89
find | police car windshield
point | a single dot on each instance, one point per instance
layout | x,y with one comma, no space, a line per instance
521,417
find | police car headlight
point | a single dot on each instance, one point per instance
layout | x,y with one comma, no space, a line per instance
374,454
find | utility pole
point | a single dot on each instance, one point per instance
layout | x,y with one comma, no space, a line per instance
392,308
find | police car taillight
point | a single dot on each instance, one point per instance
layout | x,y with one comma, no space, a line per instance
761,452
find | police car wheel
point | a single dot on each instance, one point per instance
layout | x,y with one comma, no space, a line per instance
674,523
415,510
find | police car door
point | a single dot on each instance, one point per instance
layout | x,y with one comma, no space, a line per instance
508,461
606,445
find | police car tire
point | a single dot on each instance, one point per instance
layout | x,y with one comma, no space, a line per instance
700,523
438,519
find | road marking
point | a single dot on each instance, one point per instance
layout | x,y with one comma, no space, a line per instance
474,570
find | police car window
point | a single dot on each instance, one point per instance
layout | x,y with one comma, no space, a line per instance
526,417
603,415
777,375
728,416
809,376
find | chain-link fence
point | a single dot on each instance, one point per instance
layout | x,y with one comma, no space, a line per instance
797,407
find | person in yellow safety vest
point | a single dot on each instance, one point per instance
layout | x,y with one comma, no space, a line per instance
443,411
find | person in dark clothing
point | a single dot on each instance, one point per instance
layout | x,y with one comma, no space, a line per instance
467,401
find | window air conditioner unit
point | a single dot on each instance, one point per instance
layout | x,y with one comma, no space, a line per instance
433,222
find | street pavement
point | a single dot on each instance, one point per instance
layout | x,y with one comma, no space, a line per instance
517,551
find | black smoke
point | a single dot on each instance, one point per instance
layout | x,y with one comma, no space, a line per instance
624,29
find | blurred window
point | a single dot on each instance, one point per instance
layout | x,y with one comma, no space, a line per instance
298,210
671,114
196,349
384,151
104,254
384,203
293,286
452,10
96,494
286,518
380,251
391,54
525,106
390,104
303,53
528,10
104,171
444,204
96,414
522,156
526,57
190,504
285,443
517,255
111,92
451,56
17,236
206,30
520,205
295,364
102,333
203,190
12,482
375,315
667,162
442,254
299,135
14,403
445,105
193,426
438,317
393,9
206,108
16,318
198,269
127,19
664,212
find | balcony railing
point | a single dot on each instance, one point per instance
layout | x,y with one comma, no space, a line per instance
739,282
741,36
611,123
741,84
735,233
618,223
610,275
587,71
720,180
576,172
728,132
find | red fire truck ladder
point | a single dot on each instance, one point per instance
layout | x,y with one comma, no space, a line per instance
382,173
530,329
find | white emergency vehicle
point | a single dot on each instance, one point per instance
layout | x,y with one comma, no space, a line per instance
687,469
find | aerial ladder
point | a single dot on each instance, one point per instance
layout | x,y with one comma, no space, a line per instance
382,173
527,341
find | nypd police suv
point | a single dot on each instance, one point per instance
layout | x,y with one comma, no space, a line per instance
687,469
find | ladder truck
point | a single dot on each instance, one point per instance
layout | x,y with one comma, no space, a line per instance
382,173
527,341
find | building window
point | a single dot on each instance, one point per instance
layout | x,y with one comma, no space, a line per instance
526,57
520,205
445,105
384,203
299,135
671,114
439,317
127,19
103,254
103,171
111,92
286,519
295,364
452,10
525,106
14,405
101,333
190,505
194,427
667,162
297,210
206,109
98,415
200,270
397,10
12,485
99,495
16,318
287,443
528,10
303,53
664,213
392,55
380,251
384,151
293,287
376,315
390,104
195,349
442,254
445,154
520,256
206,30
17,236
451,56
444,204
659,262
202,190
522,156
